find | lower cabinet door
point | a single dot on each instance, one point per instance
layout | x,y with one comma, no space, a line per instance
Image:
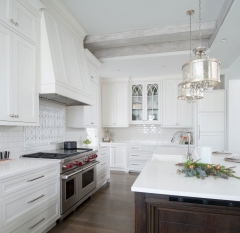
39,222
117,157
215,140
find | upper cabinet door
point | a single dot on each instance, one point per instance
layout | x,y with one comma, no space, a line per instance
25,21
170,103
25,81
6,82
108,104
6,12
137,102
70,58
121,113
185,114
213,101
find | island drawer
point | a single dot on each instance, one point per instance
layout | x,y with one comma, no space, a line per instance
103,152
134,147
38,221
134,164
18,206
139,156
151,148
104,163
30,180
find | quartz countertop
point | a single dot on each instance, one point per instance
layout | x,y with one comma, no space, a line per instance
145,143
95,147
160,177
22,165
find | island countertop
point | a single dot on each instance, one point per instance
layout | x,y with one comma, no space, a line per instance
162,178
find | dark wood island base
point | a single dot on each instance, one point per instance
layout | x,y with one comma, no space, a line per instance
156,213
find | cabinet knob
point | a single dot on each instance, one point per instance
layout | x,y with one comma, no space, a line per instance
12,115
16,24
11,20
92,123
16,116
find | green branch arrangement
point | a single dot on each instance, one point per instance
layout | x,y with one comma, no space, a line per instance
193,168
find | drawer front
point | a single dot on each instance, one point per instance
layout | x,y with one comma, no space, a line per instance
28,181
103,175
39,222
104,163
138,165
151,148
13,208
134,148
140,156
103,153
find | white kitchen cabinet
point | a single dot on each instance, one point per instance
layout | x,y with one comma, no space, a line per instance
117,157
25,82
30,202
20,17
115,104
145,102
19,80
85,116
211,120
6,11
216,140
91,112
176,113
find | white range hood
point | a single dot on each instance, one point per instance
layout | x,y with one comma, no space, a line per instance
64,75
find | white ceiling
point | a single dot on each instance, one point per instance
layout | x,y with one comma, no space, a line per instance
109,16
143,67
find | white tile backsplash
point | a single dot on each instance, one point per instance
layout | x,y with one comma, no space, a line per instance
12,138
145,133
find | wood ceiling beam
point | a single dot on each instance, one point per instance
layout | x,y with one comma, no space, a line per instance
148,36
134,50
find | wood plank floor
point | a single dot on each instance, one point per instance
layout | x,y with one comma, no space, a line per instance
111,209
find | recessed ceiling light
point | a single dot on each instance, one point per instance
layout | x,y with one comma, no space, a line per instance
118,70
164,67
224,39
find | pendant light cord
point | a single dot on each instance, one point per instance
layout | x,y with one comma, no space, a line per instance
200,23
190,15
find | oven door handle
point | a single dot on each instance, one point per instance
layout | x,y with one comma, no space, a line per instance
91,165
66,177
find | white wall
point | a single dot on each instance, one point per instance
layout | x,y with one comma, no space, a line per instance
234,116
12,138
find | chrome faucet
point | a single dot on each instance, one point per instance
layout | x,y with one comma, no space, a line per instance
189,154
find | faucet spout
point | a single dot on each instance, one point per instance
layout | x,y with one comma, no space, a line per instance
189,154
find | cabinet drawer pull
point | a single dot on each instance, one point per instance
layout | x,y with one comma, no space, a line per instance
36,223
134,147
92,76
135,164
134,155
36,198
92,123
103,154
103,164
36,178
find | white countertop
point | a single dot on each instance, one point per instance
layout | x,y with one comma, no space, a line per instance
162,178
22,165
95,147
144,143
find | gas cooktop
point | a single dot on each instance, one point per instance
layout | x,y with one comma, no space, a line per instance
58,154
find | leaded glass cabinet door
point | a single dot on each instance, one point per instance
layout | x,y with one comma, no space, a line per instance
137,102
153,102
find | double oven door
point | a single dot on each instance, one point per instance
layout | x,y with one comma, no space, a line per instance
76,185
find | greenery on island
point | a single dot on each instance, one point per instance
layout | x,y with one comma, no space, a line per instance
193,168
87,141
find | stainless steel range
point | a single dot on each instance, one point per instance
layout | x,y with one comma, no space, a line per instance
78,175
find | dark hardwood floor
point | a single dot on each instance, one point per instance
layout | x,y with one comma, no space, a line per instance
111,209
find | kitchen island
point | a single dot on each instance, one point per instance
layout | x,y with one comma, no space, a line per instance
167,202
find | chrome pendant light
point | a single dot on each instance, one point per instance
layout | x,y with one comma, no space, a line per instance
201,72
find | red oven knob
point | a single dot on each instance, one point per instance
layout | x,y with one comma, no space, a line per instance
88,160
79,163
95,156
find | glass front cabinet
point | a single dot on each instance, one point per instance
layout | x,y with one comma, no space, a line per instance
145,103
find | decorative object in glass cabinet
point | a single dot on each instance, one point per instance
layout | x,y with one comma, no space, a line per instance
152,102
137,98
